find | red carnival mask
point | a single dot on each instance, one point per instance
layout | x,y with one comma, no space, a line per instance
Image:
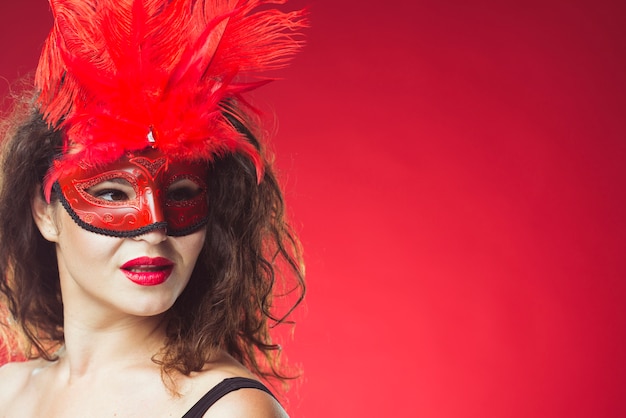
137,194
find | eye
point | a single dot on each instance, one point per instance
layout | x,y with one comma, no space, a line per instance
114,190
183,190
112,195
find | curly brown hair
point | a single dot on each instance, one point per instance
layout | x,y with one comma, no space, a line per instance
250,252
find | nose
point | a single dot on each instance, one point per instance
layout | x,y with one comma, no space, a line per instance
154,236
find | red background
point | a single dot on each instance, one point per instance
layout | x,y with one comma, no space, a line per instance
456,170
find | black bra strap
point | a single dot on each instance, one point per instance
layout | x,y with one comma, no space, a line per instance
223,388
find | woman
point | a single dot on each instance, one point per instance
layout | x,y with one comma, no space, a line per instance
142,231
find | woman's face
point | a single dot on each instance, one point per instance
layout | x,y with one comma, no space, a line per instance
142,275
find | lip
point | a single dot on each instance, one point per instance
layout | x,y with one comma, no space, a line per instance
148,271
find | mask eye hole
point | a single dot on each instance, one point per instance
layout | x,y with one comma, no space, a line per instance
113,190
183,190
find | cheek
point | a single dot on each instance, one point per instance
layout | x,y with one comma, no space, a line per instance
81,246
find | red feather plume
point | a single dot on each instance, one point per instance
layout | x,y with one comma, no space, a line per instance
116,74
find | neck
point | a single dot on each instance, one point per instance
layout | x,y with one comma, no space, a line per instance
94,346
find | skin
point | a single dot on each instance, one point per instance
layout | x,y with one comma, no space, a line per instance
113,328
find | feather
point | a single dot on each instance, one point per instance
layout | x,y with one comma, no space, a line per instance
111,71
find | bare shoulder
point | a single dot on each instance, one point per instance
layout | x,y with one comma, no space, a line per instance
245,403
240,403
16,374
13,378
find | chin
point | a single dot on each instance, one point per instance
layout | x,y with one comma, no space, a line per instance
151,306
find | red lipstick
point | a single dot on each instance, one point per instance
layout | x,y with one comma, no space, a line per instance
148,271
